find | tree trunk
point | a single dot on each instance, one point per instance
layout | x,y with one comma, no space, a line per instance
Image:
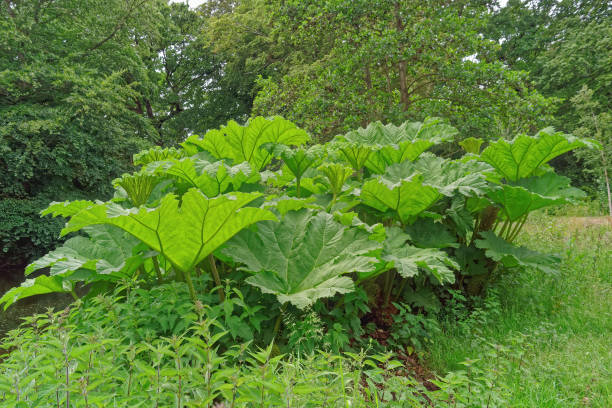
402,64
605,169
368,82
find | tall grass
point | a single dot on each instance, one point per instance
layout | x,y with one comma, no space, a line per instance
556,328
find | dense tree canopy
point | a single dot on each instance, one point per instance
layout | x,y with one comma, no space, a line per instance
355,62
84,84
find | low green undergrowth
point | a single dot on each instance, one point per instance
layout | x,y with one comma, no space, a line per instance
92,354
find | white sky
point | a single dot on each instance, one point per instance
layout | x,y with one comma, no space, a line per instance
195,3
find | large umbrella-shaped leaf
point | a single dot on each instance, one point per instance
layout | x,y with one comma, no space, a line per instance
31,287
447,176
304,257
534,193
407,197
211,178
408,260
243,143
384,157
297,159
378,146
512,256
184,232
107,250
522,156
106,255
517,201
552,185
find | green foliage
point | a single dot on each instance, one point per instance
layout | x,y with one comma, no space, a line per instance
511,256
23,234
597,123
83,86
106,352
524,155
351,64
543,334
243,143
564,45
219,215
303,258
471,145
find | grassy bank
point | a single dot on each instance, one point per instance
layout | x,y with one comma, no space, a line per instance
547,337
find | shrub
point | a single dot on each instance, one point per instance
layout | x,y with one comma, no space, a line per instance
301,227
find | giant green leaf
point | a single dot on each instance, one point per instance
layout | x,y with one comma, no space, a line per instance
533,193
378,146
211,178
66,208
407,197
243,143
552,185
522,156
304,257
512,256
297,159
31,287
184,232
385,156
517,201
106,255
157,153
296,162
447,176
377,134
107,250
407,259
426,233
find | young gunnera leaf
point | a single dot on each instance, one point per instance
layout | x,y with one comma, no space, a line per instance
304,257
471,145
512,256
297,159
137,186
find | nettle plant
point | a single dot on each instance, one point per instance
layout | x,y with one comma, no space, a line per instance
257,205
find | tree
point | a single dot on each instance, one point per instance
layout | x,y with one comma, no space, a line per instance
597,124
361,61
565,45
